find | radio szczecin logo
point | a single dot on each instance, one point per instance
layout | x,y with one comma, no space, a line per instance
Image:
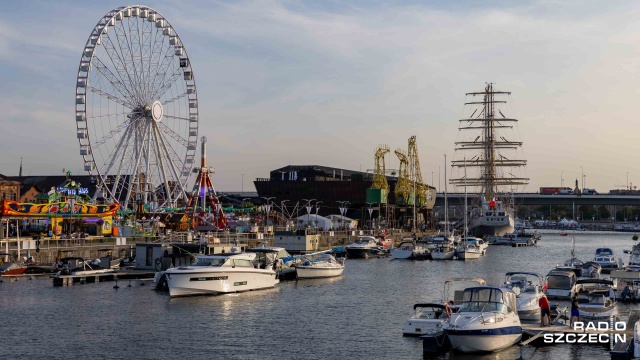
604,333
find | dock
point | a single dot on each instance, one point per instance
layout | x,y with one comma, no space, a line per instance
69,280
624,349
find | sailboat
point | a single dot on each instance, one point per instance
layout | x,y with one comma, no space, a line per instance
467,250
493,214
444,250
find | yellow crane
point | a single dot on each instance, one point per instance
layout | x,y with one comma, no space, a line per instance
379,175
416,174
403,186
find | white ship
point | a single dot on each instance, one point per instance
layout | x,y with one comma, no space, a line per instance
492,156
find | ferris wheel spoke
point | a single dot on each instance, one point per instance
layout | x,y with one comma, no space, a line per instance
120,173
109,96
112,78
163,172
176,117
163,69
154,61
139,147
112,133
166,85
172,166
124,70
129,36
174,135
119,147
181,96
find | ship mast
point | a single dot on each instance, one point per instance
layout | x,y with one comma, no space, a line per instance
488,146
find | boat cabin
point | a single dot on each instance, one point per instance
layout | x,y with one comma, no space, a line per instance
488,299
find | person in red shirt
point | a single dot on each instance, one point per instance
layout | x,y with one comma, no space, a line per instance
545,310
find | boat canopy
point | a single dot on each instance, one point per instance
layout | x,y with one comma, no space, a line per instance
604,251
595,281
524,273
431,305
488,299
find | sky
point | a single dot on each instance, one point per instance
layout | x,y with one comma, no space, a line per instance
308,82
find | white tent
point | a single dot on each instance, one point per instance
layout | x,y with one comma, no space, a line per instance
313,220
342,221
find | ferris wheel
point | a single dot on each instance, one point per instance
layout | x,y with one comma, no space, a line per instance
137,108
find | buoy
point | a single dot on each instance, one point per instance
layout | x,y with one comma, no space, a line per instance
116,285
142,283
129,284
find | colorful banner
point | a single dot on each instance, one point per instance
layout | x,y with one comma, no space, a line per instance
13,208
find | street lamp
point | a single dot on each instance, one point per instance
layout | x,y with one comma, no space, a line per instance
308,207
267,208
284,212
317,208
582,171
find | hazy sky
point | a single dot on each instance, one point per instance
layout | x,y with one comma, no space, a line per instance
324,83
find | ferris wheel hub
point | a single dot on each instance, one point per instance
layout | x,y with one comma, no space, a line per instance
157,111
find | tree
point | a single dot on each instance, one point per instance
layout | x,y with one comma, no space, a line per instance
603,212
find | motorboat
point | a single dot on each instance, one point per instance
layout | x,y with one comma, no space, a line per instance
606,259
410,250
434,342
518,237
560,284
267,255
443,252
319,266
442,240
384,241
634,255
80,266
468,251
596,300
487,321
363,248
219,274
528,289
428,319
591,270
483,245
627,284
11,267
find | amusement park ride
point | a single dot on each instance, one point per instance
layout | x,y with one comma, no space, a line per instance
202,190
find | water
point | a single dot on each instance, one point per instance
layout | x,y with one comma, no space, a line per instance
359,315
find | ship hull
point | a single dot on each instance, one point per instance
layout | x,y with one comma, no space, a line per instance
482,227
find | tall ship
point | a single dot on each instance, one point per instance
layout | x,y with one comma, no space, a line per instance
489,160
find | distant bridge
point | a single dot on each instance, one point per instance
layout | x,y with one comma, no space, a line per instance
526,199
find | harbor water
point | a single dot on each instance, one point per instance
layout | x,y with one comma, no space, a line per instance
357,316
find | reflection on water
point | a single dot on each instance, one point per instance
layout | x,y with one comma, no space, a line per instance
358,315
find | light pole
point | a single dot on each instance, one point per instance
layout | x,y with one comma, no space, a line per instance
242,186
308,207
628,181
343,208
582,171
284,212
267,208
317,208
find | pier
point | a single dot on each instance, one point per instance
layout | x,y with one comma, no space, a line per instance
69,280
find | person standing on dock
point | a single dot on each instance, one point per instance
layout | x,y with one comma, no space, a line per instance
575,310
545,311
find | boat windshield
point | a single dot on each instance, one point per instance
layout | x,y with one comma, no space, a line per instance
487,300
559,282
208,261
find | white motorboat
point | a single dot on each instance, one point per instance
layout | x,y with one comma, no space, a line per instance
487,321
363,248
517,237
483,245
468,251
427,319
267,255
80,266
410,250
443,253
606,259
319,266
528,289
634,255
596,300
219,274
560,284
591,270
626,284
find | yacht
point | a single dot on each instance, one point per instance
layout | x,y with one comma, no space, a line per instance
560,284
591,270
434,342
267,255
606,259
519,237
319,266
483,245
427,319
487,321
468,251
634,255
596,300
219,274
528,289
443,252
410,250
363,248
